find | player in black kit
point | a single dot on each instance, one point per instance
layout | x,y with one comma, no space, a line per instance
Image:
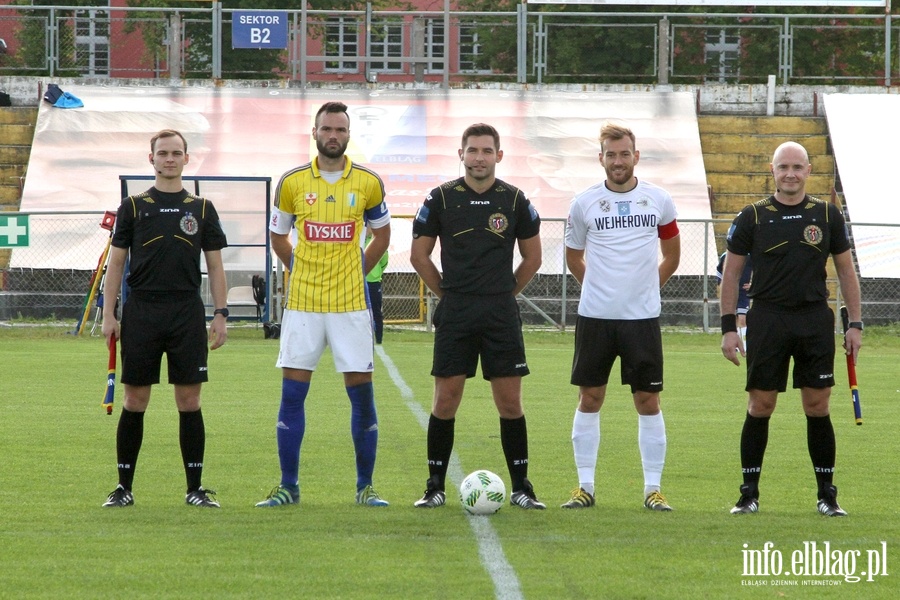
163,231
790,236
479,220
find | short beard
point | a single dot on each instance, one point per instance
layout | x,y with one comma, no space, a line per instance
324,151
612,175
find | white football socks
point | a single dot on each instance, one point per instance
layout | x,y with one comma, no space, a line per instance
652,443
586,443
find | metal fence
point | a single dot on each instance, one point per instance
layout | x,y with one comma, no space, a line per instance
527,45
65,249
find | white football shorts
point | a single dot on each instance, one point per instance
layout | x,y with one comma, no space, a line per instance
304,336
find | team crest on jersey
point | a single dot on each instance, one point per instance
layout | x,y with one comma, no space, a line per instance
189,224
604,205
624,208
812,234
311,198
498,222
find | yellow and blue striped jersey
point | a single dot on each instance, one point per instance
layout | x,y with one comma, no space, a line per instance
330,218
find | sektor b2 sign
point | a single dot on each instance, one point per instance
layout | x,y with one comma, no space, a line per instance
264,30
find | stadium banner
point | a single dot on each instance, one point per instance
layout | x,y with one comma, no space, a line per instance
864,3
409,137
877,248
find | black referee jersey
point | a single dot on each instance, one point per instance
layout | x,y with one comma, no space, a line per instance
478,234
166,232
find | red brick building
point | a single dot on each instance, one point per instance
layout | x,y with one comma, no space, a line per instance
112,40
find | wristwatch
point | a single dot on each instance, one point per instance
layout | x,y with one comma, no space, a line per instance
221,311
855,325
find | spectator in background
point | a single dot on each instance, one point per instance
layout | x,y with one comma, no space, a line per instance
743,304
373,282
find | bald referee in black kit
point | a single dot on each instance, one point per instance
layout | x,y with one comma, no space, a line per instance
163,231
790,236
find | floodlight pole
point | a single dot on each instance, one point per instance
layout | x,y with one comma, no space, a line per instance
418,42
887,44
174,47
367,40
302,49
522,43
216,39
663,52
446,44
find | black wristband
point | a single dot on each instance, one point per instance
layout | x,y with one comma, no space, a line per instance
729,323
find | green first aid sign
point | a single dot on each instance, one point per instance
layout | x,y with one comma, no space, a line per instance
13,231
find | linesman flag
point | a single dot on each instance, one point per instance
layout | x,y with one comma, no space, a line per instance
110,377
851,371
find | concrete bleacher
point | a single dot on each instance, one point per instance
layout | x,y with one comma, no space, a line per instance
737,151
18,124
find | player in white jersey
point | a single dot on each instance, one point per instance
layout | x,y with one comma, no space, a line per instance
615,232
329,202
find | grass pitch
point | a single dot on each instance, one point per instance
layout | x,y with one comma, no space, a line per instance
57,448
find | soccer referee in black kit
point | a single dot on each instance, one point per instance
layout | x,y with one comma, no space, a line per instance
479,220
163,231
790,236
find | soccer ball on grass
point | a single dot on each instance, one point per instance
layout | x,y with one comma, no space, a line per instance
482,493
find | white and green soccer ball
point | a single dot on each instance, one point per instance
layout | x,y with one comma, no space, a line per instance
482,493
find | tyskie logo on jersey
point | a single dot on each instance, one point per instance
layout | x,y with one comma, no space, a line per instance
329,232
